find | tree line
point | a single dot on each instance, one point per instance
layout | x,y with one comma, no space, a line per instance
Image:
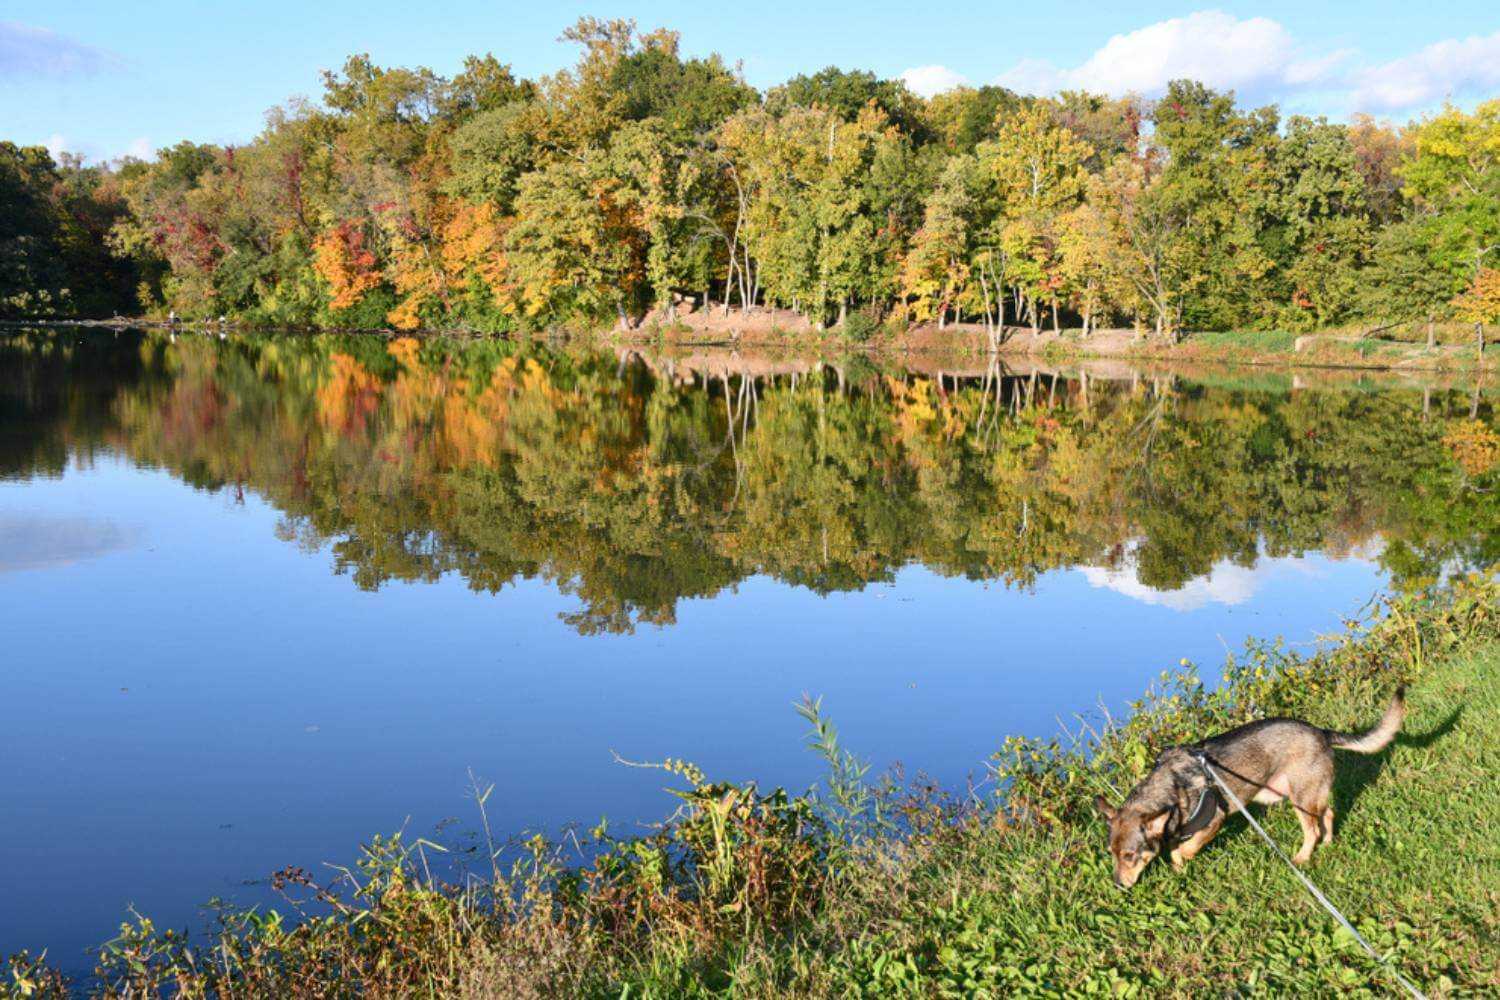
640,183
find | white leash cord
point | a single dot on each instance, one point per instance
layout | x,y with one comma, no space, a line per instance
1316,892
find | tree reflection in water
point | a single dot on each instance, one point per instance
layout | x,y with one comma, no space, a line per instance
633,482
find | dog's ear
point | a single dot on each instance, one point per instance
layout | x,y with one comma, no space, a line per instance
1105,809
1156,825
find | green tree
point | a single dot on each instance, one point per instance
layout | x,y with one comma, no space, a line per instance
962,118
576,249
848,93
1453,180
1315,223
1037,166
1152,254
1215,160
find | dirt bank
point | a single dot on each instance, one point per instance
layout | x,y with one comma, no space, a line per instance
785,328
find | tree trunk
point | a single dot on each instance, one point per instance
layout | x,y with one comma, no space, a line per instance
1431,333
729,280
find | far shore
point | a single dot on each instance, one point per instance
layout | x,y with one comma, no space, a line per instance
958,347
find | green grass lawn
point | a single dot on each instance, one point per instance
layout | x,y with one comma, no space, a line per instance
1279,347
1279,341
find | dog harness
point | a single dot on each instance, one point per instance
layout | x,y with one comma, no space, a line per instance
1203,813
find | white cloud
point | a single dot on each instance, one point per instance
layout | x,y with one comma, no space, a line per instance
1306,72
929,80
57,144
1447,69
1219,49
1033,76
30,51
1260,59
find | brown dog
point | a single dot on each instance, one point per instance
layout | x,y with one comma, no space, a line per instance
1177,804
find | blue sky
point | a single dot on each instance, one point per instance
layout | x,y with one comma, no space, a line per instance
109,78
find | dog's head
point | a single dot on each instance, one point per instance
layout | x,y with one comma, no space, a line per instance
1135,837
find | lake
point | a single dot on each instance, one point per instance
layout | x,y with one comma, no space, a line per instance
265,596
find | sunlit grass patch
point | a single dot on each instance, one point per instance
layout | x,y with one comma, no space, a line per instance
1258,340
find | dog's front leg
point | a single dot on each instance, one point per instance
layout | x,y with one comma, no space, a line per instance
1184,852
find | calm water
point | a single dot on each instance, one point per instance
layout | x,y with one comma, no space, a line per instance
262,598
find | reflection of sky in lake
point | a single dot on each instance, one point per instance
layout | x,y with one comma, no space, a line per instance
188,713
1227,583
34,541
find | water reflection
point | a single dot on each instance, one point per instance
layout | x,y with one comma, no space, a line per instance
636,480
940,552
1226,583
29,542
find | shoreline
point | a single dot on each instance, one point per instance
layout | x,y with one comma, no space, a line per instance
970,342
959,344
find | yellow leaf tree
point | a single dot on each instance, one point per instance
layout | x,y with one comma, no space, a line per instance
1480,302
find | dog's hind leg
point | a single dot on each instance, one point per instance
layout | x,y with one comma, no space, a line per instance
1311,786
1328,825
1310,793
1312,828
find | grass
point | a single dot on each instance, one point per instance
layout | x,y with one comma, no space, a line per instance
1275,341
869,888
1335,348
1327,348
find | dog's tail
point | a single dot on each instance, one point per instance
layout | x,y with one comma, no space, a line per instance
1378,738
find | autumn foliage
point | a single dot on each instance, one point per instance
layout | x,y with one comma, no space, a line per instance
639,181
341,259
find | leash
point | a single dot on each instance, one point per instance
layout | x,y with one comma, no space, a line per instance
1307,882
